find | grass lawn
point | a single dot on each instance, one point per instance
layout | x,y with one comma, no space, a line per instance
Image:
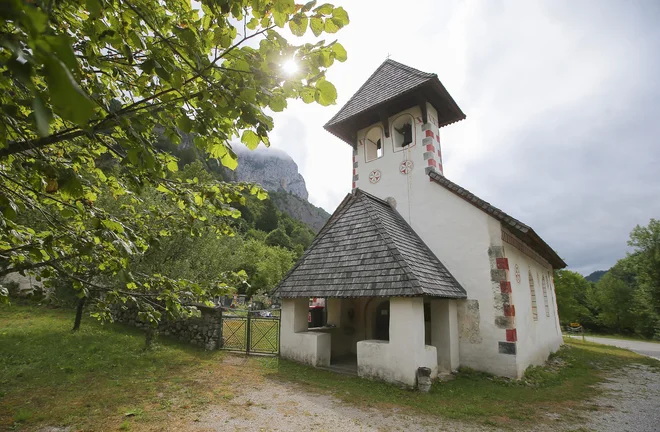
101,379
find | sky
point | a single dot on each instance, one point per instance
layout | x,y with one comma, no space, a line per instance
562,101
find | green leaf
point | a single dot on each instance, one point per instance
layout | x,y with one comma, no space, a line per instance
68,98
173,166
317,25
253,23
229,160
298,25
94,8
250,139
308,94
277,103
42,116
61,45
330,26
325,9
280,18
341,15
184,123
327,92
340,51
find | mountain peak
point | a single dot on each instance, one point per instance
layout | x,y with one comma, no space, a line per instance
272,168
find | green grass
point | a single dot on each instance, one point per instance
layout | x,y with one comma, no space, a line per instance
101,379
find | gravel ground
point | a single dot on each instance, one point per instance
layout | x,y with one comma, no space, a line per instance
284,407
631,404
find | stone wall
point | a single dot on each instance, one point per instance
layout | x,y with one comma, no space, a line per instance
202,331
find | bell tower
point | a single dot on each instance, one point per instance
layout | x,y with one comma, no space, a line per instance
393,124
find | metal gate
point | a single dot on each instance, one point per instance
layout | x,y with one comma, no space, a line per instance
250,331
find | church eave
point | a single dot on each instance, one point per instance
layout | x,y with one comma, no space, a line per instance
522,231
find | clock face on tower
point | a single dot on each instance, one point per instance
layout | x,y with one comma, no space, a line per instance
406,166
374,176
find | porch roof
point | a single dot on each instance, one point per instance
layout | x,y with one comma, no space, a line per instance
366,249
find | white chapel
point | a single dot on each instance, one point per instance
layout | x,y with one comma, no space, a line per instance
416,271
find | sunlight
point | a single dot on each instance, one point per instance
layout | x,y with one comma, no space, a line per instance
290,67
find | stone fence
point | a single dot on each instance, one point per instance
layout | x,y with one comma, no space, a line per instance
203,331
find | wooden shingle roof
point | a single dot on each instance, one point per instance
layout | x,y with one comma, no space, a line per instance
392,88
367,249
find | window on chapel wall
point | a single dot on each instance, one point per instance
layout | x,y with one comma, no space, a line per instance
373,143
403,132
544,286
532,292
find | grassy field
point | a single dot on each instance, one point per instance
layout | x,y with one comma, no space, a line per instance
101,379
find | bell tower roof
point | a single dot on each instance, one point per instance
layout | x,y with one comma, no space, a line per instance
392,88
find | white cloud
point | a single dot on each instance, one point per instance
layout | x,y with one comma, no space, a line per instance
555,92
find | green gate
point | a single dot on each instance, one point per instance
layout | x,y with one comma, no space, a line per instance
250,331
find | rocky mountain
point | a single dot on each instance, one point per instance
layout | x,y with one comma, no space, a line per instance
276,172
273,169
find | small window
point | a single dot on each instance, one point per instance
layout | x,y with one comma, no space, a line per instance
403,132
532,292
544,286
373,144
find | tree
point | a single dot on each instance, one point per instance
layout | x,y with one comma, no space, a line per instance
86,90
646,243
615,295
573,293
269,219
278,237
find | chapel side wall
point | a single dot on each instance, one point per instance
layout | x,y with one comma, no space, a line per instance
536,339
462,236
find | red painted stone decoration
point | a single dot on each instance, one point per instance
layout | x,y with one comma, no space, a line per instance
517,273
374,176
406,166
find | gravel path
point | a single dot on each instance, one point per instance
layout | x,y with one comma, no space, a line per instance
650,349
631,404
285,407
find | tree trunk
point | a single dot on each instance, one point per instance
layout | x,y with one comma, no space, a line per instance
79,311
149,337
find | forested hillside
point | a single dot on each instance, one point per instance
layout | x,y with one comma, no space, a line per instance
625,299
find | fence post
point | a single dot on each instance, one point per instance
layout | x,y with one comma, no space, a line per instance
221,343
247,342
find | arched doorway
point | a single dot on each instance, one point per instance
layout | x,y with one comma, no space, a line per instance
382,321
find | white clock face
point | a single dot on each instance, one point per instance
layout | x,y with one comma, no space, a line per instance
374,176
406,166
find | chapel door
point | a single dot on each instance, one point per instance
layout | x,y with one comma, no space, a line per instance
383,321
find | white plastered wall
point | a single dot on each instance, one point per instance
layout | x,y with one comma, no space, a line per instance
536,338
458,233
296,343
398,359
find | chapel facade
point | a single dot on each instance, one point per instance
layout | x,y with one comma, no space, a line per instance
417,272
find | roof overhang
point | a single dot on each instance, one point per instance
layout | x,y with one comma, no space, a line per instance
431,91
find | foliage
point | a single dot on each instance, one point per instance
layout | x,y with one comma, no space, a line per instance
646,243
278,238
573,293
86,91
625,299
268,217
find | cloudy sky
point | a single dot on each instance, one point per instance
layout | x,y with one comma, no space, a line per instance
562,101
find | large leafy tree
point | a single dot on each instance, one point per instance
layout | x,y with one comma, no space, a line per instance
87,87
